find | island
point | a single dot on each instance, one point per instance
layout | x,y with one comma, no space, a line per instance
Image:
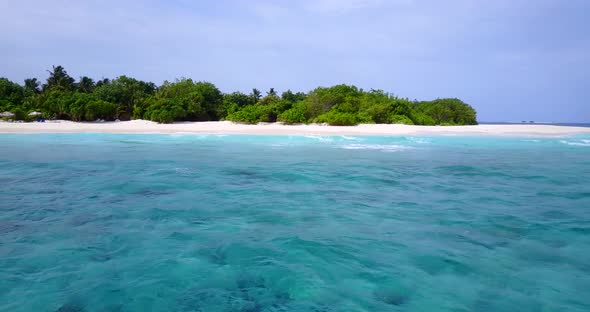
61,97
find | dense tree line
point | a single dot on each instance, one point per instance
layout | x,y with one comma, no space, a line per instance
124,98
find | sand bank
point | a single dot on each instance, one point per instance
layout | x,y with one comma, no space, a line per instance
226,127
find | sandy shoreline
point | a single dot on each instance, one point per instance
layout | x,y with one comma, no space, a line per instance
225,127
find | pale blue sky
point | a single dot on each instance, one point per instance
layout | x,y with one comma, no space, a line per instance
511,59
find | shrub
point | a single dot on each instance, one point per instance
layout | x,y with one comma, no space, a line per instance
251,114
163,116
77,112
322,100
227,108
138,112
335,118
364,118
422,119
295,115
452,111
100,109
400,119
19,114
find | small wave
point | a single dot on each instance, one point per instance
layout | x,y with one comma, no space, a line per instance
377,147
188,135
319,138
184,171
418,140
278,146
579,143
349,138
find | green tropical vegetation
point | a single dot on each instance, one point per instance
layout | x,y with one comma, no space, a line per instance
125,98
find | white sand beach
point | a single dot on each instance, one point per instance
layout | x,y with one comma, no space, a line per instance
226,127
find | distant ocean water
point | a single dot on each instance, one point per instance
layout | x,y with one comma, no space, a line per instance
569,124
97,222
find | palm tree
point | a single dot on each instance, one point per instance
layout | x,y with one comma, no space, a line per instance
32,84
256,95
103,81
59,79
86,84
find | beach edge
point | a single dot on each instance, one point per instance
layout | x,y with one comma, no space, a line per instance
226,127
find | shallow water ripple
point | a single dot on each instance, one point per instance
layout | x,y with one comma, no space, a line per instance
93,222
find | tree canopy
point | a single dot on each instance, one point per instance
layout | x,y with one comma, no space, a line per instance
124,98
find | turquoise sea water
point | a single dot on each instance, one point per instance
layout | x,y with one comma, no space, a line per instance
95,222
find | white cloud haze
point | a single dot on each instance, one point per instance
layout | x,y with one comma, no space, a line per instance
511,59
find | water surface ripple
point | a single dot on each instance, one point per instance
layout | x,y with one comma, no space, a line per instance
96,222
